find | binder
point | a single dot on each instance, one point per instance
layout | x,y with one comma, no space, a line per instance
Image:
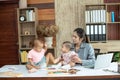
94,16
96,33
104,32
88,30
86,16
91,16
98,14
103,16
100,33
92,34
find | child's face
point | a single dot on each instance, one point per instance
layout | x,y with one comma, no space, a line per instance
39,44
64,49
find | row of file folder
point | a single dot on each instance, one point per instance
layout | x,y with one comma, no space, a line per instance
96,32
95,16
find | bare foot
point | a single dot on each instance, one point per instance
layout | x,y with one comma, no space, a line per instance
32,70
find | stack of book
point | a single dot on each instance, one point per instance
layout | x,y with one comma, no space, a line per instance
111,16
24,56
95,16
96,32
30,15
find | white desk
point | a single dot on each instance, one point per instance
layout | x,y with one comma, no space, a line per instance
84,73
43,73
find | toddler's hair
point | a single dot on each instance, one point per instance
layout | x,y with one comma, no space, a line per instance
33,42
68,44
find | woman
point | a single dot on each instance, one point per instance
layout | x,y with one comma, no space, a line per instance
83,48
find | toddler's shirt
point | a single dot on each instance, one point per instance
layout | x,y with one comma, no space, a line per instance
67,57
36,56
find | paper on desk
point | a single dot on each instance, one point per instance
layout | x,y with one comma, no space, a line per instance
66,67
57,66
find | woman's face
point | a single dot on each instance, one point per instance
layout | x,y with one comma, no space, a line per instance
76,38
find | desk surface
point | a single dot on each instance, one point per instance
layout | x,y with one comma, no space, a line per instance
84,73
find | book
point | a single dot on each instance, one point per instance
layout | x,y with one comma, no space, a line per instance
108,17
113,16
30,15
27,15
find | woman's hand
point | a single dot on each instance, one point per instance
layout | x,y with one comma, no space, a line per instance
76,59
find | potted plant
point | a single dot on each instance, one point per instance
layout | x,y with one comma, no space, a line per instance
48,32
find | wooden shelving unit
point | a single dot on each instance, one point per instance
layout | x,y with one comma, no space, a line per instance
26,30
112,25
113,28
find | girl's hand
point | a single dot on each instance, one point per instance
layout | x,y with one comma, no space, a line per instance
76,59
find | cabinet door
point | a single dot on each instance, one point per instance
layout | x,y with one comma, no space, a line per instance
8,34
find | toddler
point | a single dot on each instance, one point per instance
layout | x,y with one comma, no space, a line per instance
66,55
36,56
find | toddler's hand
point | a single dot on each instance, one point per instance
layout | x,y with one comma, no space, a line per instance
37,67
45,45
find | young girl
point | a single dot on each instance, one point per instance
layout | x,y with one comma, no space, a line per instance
66,55
36,56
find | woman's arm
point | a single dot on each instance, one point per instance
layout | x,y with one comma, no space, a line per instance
89,62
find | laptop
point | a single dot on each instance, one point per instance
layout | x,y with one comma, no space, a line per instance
103,61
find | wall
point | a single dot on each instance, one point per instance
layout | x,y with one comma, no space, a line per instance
69,15
8,33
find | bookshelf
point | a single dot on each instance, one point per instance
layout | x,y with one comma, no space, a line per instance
113,26
95,18
27,23
102,22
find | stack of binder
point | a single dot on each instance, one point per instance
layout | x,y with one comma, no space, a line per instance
96,32
95,16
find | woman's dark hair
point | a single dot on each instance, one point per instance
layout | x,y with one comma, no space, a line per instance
82,34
